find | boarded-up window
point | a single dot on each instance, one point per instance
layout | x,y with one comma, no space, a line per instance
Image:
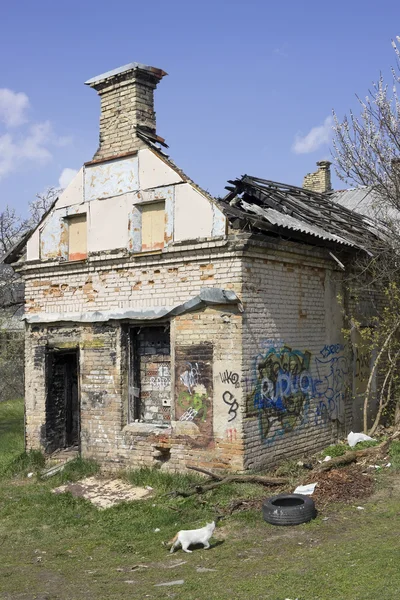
77,237
153,226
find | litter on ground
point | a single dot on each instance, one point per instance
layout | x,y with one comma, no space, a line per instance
354,438
176,582
306,490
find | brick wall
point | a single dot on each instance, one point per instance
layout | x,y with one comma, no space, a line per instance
209,338
108,283
249,388
320,181
296,369
127,101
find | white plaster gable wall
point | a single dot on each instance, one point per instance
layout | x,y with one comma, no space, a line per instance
193,214
154,172
108,223
73,193
109,193
111,178
32,247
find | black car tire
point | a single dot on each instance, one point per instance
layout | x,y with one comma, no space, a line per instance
289,509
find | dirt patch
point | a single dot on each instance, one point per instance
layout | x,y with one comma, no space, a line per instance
342,485
104,493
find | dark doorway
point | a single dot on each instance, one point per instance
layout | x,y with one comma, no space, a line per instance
150,375
62,402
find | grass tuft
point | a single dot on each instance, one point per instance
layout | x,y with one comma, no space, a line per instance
32,461
162,481
366,444
79,468
335,450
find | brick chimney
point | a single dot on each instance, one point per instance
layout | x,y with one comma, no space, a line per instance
127,106
320,181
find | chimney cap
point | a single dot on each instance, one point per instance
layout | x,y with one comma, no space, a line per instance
134,66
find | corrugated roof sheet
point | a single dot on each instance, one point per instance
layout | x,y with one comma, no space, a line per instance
366,201
296,212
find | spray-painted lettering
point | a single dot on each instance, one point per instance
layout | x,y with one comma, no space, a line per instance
289,388
191,377
231,401
230,377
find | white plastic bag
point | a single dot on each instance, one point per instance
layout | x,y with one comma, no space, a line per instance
354,438
306,490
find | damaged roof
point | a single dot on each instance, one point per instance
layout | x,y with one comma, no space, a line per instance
298,213
367,201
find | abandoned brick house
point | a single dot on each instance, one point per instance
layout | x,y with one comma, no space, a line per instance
166,327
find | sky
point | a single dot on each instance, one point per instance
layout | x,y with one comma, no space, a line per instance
250,89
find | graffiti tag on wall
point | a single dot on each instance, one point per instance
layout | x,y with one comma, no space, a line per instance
194,387
230,377
191,376
290,389
163,378
233,404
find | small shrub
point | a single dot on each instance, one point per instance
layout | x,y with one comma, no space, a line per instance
363,445
335,450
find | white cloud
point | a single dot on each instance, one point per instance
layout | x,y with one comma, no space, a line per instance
29,147
31,143
66,177
315,138
13,107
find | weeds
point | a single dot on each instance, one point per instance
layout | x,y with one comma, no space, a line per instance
335,450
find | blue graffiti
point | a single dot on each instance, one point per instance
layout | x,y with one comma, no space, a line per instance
288,396
332,349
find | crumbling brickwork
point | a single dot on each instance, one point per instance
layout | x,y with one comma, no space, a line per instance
320,181
296,366
127,101
209,339
248,388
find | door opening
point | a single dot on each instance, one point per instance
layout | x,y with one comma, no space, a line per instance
62,402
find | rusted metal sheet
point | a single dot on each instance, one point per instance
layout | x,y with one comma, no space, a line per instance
77,237
111,178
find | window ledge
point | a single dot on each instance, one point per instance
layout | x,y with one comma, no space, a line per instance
147,428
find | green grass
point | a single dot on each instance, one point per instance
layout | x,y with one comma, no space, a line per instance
340,449
13,459
57,547
335,450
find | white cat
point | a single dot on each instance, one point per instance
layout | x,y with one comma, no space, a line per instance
187,537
